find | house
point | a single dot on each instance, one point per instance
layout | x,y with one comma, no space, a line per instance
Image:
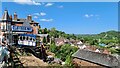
72,41
26,22
97,50
11,27
79,43
90,58
82,46
94,49
59,41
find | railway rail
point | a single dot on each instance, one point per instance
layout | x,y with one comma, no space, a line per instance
14,61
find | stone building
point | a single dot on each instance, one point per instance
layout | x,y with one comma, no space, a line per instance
90,59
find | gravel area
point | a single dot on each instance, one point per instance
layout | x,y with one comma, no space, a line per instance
32,61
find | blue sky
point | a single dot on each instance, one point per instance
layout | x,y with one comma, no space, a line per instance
70,17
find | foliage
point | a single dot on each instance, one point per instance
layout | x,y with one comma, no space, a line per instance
63,52
68,60
53,48
44,40
43,31
117,51
104,37
109,37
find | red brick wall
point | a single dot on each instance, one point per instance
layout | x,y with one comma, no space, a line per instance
18,24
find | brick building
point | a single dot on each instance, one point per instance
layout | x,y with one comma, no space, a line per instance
12,26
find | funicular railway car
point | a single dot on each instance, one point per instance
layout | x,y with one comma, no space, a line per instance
27,40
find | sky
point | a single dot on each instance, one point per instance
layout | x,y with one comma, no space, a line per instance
70,17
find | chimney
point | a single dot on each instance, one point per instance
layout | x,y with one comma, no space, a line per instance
15,16
11,17
29,18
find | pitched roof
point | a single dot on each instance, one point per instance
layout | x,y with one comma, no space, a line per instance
32,22
26,23
98,58
5,16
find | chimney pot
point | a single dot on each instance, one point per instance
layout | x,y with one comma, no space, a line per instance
15,16
11,17
29,18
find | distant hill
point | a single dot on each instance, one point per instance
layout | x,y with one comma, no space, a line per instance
109,34
104,35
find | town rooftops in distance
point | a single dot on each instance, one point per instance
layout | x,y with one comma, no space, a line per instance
98,58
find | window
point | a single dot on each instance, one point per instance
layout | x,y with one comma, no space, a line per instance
27,38
31,39
21,38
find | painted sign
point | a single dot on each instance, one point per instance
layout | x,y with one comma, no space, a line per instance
21,29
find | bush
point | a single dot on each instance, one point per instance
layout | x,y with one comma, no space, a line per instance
63,52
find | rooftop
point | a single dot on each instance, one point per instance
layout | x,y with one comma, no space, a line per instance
97,58
5,16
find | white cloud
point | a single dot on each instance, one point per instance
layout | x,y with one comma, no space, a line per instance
29,2
49,4
42,14
46,20
61,6
36,14
87,16
92,15
36,17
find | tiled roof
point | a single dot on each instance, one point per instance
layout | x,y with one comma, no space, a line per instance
98,58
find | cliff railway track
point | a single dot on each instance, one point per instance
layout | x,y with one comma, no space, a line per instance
14,61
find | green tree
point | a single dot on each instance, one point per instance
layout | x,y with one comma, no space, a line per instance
45,31
53,48
40,31
44,40
68,60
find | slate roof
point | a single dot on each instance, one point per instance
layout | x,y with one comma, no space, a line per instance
26,23
5,16
98,58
